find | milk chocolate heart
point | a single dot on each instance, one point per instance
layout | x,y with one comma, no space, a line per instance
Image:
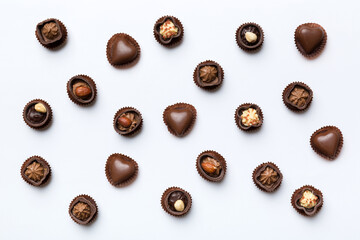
310,39
179,118
120,169
122,49
327,142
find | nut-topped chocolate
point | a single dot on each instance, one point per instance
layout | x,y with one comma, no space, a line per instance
307,200
35,171
176,201
327,142
211,166
297,96
249,36
267,177
127,121
208,75
248,116
83,209
122,50
310,39
37,114
168,31
179,118
51,33
81,90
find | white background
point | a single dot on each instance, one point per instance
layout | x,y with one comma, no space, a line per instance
80,139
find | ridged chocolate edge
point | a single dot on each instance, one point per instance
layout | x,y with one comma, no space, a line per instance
60,42
265,189
127,182
71,94
163,203
42,160
136,129
339,147
223,164
175,41
90,199
208,88
319,50
238,41
289,106
293,200
251,128
48,108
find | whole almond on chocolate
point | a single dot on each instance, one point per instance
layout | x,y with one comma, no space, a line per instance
81,90
124,121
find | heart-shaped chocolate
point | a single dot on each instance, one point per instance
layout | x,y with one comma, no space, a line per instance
122,49
120,169
179,118
310,39
327,142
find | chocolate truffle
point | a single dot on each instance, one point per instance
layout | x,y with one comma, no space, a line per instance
211,166
267,177
248,116
51,33
327,142
81,89
179,118
35,171
120,170
297,96
310,39
83,209
37,114
127,121
176,201
122,50
168,31
307,200
249,37
208,75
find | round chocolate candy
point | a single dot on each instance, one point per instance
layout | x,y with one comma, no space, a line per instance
176,201
127,121
307,200
211,166
37,114
168,31
83,209
249,37
51,33
35,171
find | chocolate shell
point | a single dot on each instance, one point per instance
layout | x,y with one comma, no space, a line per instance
297,195
121,170
179,118
81,98
297,96
170,196
241,109
122,50
267,177
83,209
208,75
35,171
327,142
241,39
133,117
310,39
213,170
34,118
51,33
173,40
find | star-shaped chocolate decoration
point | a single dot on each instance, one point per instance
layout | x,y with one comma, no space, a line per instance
298,96
208,74
81,211
268,176
35,171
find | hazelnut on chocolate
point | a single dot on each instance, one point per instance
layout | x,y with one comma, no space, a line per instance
127,121
37,114
81,90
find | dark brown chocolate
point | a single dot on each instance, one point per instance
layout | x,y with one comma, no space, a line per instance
248,116
127,121
267,177
81,90
83,209
120,170
307,200
179,118
249,37
208,75
176,201
211,166
310,39
168,31
297,96
35,171
327,142
37,114
122,50
51,33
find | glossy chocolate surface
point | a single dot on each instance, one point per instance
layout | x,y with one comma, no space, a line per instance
267,177
310,39
120,169
179,118
122,49
35,171
83,209
297,96
327,142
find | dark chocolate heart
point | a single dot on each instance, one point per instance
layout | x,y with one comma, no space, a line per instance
327,141
120,169
310,38
122,51
179,118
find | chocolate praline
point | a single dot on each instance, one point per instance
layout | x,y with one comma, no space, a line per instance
127,121
35,171
267,177
249,37
83,209
122,50
51,33
176,201
120,170
248,116
208,75
81,90
37,114
327,142
297,96
307,207
179,118
211,166
310,39
172,38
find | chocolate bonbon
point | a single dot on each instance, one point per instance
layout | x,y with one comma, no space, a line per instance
122,50
179,118
250,37
168,31
176,201
83,209
120,170
37,114
211,166
297,96
81,90
267,177
208,75
310,39
327,142
248,116
36,171
127,121
51,33
307,200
